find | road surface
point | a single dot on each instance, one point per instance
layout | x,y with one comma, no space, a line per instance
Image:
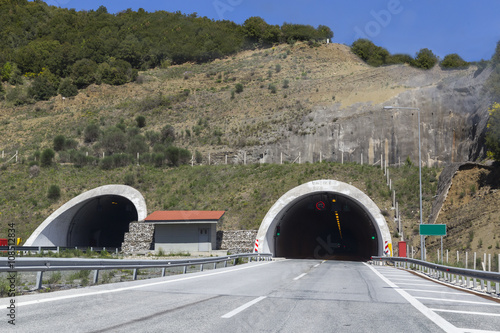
280,296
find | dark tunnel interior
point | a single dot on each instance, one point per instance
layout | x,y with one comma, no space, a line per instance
101,222
325,226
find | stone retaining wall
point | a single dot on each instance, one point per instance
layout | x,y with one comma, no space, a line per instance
236,241
139,238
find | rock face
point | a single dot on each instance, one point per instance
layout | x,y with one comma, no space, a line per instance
236,241
453,110
139,238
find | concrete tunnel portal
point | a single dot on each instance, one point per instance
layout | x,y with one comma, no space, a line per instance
96,218
324,219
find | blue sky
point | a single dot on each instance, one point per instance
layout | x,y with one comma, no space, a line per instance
469,28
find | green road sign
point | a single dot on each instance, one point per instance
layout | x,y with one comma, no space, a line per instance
433,229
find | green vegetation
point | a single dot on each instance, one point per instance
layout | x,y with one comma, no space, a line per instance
58,50
54,192
376,56
493,132
453,61
246,193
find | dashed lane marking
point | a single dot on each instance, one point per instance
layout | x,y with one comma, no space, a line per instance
243,307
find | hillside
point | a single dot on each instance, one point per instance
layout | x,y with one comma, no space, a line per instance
296,99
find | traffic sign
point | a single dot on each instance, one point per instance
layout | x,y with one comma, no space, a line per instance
433,229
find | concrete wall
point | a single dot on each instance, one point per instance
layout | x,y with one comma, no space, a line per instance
183,237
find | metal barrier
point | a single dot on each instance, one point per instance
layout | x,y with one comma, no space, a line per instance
467,278
57,249
41,265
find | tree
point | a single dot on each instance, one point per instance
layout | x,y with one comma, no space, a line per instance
238,88
91,133
67,88
453,61
372,54
46,158
44,86
54,192
168,134
83,72
59,142
493,132
141,121
425,59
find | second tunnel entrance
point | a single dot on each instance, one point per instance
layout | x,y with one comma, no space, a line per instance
325,226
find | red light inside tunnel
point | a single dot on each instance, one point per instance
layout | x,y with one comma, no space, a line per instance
320,205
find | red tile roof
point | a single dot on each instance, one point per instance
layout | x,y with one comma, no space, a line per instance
184,215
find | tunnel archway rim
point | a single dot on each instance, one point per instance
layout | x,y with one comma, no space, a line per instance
44,232
265,241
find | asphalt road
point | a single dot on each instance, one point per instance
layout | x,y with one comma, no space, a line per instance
282,296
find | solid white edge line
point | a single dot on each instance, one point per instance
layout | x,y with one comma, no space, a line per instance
471,330
457,301
300,276
434,317
134,287
438,292
469,312
243,307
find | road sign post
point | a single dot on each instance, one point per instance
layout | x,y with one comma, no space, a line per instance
433,230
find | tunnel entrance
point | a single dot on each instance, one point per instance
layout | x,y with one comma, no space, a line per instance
324,219
101,222
325,226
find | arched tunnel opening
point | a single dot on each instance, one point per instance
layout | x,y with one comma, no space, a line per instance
101,222
325,226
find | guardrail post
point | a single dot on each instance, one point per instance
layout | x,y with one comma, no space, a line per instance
58,249
482,285
185,270
39,277
234,262
163,272
40,250
225,263
249,259
201,267
96,276
134,274
215,265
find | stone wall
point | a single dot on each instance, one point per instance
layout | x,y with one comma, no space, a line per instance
236,241
139,238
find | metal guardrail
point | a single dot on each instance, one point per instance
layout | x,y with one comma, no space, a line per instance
467,278
41,265
57,249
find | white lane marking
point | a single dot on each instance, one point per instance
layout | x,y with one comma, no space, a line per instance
434,317
471,330
469,312
421,284
438,292
300,276
243,307
316,265
135,287
457,301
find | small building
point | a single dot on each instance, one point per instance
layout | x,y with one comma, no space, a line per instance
185,231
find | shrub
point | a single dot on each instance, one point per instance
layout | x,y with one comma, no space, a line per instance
59,142
113,140
238,88
34,171
83,72
129,179
168,134
198,157
177,156
17,96
67,88
46,158
272,88
91,133
493,132
277,68
141,121
425,59
2,91
453,61
44,86
372,54
286,83
54,192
